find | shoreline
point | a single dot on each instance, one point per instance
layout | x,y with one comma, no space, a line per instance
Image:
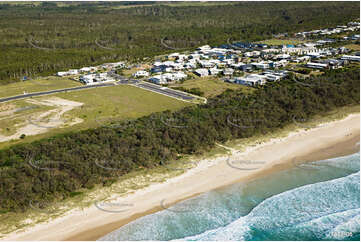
330,140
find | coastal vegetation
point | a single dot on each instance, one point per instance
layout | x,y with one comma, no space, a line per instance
53,169
40,39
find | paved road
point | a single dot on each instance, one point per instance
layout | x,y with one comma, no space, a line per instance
34,94
164,91
148,86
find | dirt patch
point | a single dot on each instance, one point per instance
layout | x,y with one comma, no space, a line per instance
6,107
41,122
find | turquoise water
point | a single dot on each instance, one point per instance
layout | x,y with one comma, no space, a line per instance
316,201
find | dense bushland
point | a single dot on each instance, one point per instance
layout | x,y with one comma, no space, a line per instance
54,168
40,40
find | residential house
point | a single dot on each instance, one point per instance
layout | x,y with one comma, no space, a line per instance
214,71
141,74
261,65
351,58
316,65
251,80
62,73
201,72
228,72
73,72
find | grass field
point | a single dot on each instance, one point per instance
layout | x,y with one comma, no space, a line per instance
100,106
353,47
281,42
37,85
117,103
211,86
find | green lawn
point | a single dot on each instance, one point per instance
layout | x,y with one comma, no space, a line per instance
211,86
281,42
117,103
353,47
103,106
36,85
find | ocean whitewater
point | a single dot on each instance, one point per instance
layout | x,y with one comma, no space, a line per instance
314,201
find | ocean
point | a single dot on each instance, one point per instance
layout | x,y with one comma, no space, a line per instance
314,201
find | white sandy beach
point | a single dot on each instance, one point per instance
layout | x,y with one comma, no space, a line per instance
329,140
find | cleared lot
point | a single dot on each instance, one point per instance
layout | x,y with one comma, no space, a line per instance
99,106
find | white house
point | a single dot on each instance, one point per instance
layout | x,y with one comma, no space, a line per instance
214,71
251,80
178,76
85,69
190,65
206,64
201,72
73,72
62,73
158,79
228,72
168,77
87,79
351,58
141,74
271,77
204,48
260,65
316,65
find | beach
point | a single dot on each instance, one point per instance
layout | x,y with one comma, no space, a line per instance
326,141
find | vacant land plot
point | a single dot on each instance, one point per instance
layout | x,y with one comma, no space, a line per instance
79,110
118,103
353,47
43,114
211,86
281,42
37,85
14,116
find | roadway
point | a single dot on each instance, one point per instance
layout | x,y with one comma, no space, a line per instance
165,91
34,94
122,81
